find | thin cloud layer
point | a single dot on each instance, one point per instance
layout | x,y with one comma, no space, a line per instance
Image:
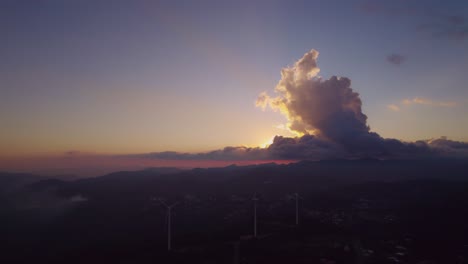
420,101
311,147
393,107
449,147
426,101
227,153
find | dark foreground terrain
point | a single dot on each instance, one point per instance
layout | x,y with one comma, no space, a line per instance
364,211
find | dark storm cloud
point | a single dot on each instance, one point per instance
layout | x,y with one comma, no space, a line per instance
396,59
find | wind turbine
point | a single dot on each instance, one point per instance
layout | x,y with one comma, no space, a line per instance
296,195
296,198
255,199
169,212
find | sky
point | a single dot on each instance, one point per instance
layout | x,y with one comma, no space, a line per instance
134,77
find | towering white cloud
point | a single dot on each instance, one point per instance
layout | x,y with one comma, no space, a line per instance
329,109
328,119
328,115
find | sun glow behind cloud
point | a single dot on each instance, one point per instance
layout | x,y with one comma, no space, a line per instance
267,143
325,115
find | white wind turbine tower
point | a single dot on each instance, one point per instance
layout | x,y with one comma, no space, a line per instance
296,195
255,199
169,212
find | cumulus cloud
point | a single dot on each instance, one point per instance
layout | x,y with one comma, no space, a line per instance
262,100
327,116
328,109
396,59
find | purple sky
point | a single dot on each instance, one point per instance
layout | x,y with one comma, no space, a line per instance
120,77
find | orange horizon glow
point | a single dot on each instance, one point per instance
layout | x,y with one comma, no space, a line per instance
88,165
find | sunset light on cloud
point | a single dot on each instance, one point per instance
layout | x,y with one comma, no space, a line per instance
246,131
425,101
169,86
421,101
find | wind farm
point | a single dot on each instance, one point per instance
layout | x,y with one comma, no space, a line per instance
245,132
240,214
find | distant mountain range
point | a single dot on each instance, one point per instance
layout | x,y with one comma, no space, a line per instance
252,177
117,216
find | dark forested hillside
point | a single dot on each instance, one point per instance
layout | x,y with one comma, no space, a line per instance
361,211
